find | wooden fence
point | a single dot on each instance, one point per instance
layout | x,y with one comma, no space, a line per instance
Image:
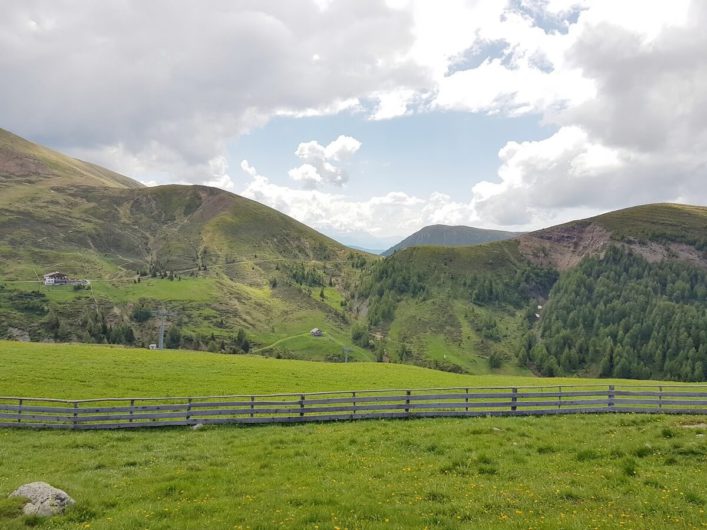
120,413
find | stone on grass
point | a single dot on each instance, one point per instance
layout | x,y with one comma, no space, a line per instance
197,426
44,500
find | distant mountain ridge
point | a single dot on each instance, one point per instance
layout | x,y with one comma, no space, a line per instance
375,251
450,236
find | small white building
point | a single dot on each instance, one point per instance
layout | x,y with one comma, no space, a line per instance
59,278
56,278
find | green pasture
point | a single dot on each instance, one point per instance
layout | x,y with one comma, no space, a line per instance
86,371
573,472
78,371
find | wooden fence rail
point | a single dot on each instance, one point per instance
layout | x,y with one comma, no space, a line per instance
121,413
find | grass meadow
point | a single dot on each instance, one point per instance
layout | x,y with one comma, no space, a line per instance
555,472
573,472
82,371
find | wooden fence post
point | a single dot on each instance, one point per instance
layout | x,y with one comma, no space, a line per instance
353,401
74,422
301,405
188,410
559,397
252,406
612,396
660,397
132,410
466,400
407,402
19,411
514,400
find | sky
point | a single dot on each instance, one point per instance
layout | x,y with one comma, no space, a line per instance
369,119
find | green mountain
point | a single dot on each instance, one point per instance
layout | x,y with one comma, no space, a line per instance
218,263
620,294
450,236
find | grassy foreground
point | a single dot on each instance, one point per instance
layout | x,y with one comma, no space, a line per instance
574,472
558,472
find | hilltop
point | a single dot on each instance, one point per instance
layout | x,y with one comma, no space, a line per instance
450,236
25,163
655,231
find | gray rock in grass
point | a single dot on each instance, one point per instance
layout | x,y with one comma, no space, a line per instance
44,500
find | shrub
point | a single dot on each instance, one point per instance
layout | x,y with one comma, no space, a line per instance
141,314
360,335
495,361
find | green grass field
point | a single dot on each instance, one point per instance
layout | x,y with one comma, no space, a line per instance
78,371
574,472
561,472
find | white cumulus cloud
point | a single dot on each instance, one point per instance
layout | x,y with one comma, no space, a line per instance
642,137
157,90
391,214
324,164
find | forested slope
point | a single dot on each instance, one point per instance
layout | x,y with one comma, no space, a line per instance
623,294
622,316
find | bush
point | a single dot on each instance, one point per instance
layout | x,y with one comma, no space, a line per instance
30,302
241,344
174,338
141,314
360,335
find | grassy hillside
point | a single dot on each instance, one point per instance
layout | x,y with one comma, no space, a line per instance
463,308
217,262
606,471
455,308
450,236
660,223
77,371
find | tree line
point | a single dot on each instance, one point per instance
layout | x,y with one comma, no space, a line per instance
621,316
